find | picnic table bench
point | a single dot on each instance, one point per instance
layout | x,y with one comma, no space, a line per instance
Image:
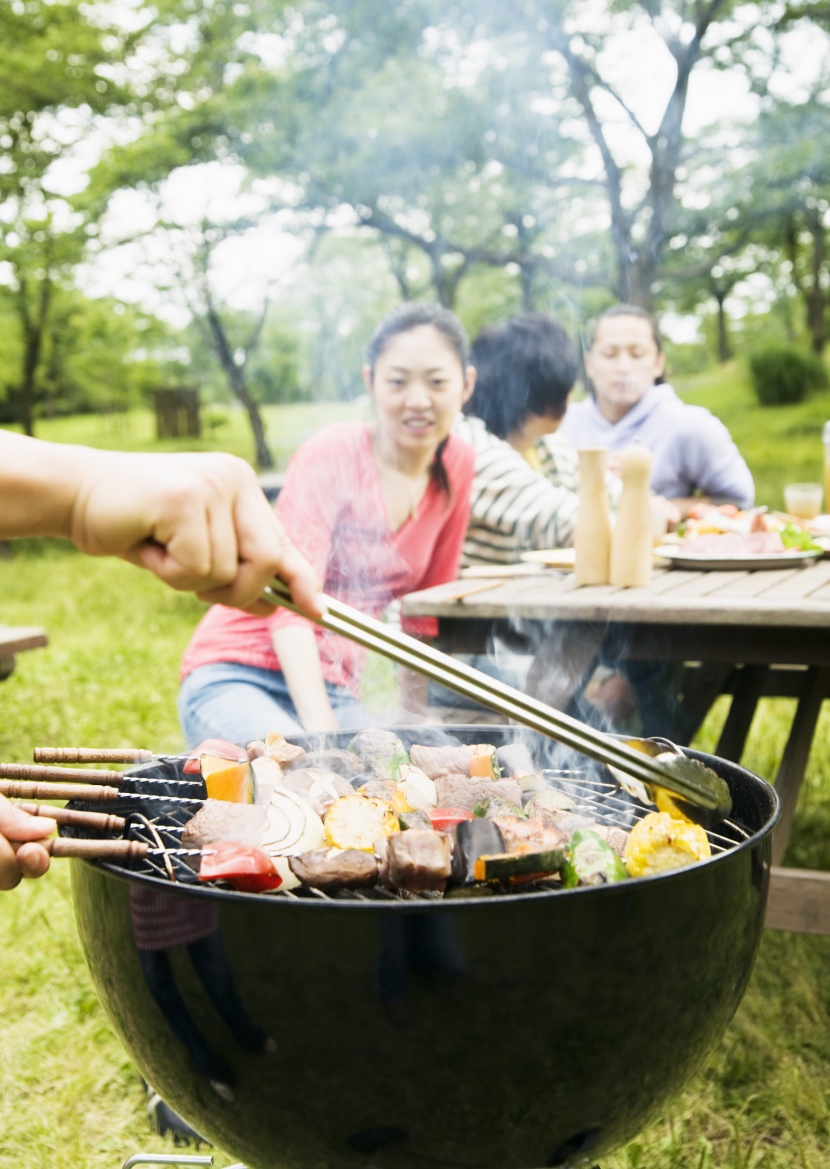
14,639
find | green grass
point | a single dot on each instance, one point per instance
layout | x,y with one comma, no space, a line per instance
781,444
285,428
69,1097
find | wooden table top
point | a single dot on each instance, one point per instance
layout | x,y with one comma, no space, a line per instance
794,596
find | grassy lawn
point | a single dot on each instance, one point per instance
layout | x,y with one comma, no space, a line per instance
70,1099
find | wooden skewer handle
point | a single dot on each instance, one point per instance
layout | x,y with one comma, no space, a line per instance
55,791
71,774
91,755
67,846
100,821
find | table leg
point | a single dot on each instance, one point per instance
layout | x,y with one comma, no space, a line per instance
701,686
796,753
6,667
748,690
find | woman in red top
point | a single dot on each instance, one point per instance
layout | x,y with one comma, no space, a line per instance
380,509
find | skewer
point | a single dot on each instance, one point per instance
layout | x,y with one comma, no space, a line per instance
100,821
71,774
683,776
70,846
80,791
91,755
56,791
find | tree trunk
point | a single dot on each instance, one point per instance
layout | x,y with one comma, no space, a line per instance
724,348
815,294
32,347
239,388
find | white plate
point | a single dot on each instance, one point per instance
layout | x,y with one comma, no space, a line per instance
682,558
562,558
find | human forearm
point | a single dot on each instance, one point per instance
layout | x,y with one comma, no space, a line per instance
296,648
200,522
38,485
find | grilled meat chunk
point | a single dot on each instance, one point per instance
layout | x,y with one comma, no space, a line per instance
419,860
222,820
335,868
465,791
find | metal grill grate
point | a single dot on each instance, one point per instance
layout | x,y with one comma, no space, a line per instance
158,820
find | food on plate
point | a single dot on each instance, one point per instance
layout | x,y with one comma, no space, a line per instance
725,532
660,842
448,833
357,821
335,868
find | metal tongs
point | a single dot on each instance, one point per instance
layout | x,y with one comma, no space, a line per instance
696,791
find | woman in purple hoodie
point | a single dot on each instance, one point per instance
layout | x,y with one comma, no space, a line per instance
694,457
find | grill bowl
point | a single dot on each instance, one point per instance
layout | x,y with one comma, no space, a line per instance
512,1032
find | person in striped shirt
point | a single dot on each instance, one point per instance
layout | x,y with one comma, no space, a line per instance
524,490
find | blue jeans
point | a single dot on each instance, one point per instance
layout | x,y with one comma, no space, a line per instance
240,703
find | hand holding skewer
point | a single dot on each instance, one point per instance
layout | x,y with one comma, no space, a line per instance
21,854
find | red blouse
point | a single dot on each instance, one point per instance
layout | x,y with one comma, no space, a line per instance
333,509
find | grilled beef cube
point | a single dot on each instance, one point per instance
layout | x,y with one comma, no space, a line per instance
616,837
473,838
223,820
335,868
419,861
464,791
477,759
415,819
379,751
330,759
522,835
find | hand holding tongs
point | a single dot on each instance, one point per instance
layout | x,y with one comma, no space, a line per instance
702,795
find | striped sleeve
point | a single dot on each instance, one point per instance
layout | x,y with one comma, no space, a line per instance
513,508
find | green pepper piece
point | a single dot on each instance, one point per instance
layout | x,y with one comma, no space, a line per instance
591,861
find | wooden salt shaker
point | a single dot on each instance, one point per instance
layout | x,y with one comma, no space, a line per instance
592,533
632,542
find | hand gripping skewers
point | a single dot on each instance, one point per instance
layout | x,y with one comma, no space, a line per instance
24,782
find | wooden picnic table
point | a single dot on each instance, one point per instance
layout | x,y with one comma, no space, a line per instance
750,634
14,639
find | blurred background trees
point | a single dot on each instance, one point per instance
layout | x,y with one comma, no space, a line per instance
231,194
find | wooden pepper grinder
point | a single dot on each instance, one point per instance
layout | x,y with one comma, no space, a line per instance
592,533
632,542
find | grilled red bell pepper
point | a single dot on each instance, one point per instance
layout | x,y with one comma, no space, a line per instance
249,870
445,819
218,747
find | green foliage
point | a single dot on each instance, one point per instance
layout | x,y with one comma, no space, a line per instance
783,374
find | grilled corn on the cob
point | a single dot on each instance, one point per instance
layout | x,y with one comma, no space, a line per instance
660,842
